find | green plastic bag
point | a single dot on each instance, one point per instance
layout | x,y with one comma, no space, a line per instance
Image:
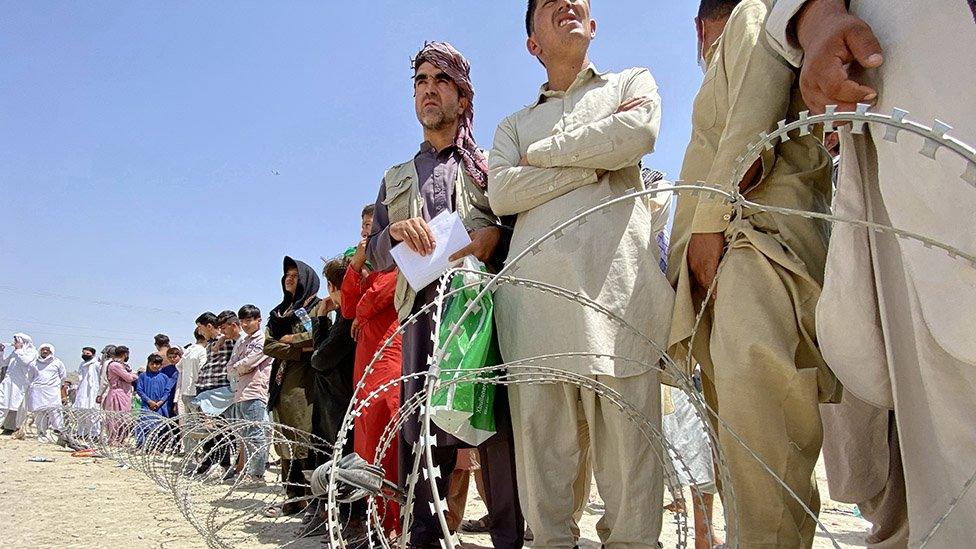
467,409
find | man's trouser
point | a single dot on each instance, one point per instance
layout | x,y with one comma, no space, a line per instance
549,450
887,511
505,522
48,418
753,382
11,420
186,408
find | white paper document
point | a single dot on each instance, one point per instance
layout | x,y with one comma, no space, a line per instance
450,236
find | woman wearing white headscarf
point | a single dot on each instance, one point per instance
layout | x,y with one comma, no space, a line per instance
14,383
46,375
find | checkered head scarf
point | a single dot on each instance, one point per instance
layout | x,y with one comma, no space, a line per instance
443,56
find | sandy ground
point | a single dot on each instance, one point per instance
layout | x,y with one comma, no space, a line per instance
84,502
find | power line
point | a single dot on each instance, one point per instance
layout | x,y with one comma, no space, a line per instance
15,321
101,303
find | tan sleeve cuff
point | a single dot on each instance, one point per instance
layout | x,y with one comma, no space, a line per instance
711,217
777,25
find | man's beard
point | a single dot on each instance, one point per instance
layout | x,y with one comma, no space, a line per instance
437,123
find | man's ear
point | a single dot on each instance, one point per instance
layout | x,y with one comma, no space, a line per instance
592,29
534,49
463,104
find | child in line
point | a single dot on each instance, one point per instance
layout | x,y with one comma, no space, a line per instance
252,370
155,388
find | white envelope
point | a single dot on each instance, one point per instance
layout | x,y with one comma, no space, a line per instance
450,236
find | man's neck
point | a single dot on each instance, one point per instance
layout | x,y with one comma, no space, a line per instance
563,72
441,139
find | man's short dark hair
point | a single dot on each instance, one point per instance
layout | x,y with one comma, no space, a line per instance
227,317
91,349
154,359
529,15
249,312
207,319
716,9
120,351
335,270
198,336
161,340
368,210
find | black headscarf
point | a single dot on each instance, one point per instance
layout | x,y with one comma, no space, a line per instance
282,317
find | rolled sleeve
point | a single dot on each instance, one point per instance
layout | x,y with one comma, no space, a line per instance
777,29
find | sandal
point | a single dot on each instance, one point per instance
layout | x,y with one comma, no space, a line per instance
479,526
279,511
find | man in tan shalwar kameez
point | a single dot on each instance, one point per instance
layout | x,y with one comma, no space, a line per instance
896,318
761,368
580,141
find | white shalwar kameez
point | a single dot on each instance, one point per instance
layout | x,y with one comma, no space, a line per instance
85,399
44,391
14,385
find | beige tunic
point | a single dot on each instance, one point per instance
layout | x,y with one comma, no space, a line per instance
612,258
741,96
901,316
761,368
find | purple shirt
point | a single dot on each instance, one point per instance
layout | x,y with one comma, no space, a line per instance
437,174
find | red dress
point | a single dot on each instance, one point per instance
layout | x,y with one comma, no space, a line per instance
370,301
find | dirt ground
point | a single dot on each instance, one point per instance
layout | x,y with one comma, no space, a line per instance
85,502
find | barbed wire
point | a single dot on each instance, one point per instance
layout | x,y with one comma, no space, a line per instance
181,454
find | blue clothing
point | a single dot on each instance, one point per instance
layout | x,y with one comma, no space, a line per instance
215,401
157,386
172,371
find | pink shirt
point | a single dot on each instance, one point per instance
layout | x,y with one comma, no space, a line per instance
252,368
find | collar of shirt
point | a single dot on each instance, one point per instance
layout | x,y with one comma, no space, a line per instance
427,148
583,77
709,55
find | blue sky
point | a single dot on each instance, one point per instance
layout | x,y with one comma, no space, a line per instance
158,159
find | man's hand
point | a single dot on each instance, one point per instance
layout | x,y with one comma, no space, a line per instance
834,42
483,244
358,260
705,251
631,104
327,306
356,329
287,339
415,234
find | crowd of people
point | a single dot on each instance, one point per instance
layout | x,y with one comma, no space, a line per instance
810,339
